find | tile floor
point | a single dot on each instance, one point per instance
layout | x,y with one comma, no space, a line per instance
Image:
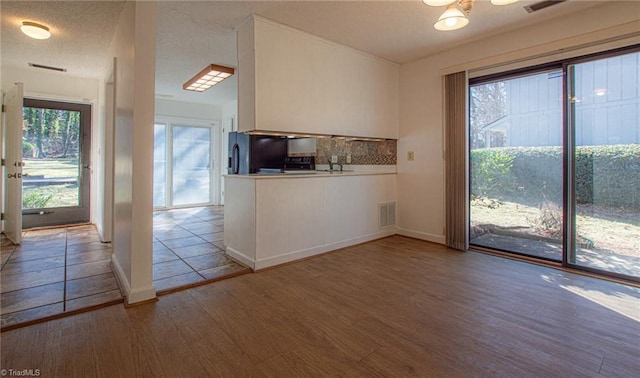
65,269
55,271
188,248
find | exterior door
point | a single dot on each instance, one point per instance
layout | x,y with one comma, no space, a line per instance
57,166
13,163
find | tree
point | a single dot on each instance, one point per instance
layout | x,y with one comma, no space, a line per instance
488,103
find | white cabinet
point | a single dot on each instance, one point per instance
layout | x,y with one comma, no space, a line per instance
291,81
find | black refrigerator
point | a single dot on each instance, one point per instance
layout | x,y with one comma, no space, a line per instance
256,153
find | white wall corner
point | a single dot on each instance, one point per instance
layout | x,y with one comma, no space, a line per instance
132,296
241,257
422,236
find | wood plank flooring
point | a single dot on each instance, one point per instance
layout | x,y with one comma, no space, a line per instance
393,307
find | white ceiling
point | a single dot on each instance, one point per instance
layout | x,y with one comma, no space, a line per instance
193,34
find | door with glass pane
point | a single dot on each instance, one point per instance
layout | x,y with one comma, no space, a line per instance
56,152
516,164
183,165
604,111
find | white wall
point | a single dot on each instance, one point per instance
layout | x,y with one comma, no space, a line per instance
133,46
421,195
170,108
51,85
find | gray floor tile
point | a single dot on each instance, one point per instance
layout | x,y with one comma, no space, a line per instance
169,269
208,261
31,279
177,281
195,250
183,242
32,297
91,285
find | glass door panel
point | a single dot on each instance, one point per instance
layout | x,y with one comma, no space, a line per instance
605,109
191,165
160,165
516,165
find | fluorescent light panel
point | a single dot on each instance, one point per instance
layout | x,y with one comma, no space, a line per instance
207,78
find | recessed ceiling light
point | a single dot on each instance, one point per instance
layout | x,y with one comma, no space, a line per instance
35,30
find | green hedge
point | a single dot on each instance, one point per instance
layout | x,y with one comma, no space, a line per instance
606,175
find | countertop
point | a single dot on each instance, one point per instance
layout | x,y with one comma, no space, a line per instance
318,173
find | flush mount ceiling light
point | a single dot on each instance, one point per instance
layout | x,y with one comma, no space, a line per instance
35,30
207,78
455,16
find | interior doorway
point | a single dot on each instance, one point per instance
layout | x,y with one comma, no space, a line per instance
56,155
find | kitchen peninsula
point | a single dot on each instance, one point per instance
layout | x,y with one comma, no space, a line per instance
294,84
274,219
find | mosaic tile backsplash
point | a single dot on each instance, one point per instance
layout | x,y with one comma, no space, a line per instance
362,152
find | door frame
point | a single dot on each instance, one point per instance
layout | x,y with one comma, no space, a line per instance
72,214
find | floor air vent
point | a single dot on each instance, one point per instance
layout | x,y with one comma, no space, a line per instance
387,214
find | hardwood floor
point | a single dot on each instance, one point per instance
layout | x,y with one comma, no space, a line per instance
393,307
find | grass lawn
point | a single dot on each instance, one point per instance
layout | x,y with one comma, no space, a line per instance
610,230
50,168
61,195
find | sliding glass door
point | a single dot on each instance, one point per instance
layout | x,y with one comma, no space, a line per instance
183,165
516,164
192,168
555,163
604,110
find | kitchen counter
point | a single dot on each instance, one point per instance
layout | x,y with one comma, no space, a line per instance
355,171
273,219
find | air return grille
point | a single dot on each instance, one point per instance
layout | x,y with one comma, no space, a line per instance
541,5
387,214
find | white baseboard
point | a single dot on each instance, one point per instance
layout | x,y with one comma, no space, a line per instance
132,296
241,257
304,253
422,236
141,294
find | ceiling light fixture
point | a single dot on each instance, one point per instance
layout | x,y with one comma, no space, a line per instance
207,78
35,30
455,16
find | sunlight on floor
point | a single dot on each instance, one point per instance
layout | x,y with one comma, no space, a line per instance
622,303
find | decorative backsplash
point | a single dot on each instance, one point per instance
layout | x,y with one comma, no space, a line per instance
362,152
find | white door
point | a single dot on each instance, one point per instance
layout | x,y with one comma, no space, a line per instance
13,163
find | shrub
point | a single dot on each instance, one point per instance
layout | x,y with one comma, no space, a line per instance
605,175
491,173
27,149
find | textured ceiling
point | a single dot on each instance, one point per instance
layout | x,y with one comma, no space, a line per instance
193,34
81,33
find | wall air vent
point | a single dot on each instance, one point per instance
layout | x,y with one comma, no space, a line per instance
35,65
541,5
387,214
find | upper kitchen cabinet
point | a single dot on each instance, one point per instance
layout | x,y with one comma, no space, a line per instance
291,81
